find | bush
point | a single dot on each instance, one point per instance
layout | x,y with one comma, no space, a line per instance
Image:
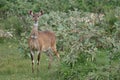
87,33
79,40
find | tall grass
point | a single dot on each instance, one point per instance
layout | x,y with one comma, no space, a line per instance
15,67
87,39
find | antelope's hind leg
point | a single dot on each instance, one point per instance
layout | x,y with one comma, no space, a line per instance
55,51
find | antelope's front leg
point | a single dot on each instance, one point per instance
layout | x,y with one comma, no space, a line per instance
32,58
38,60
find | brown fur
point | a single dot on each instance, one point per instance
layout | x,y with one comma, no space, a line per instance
41,41
44,41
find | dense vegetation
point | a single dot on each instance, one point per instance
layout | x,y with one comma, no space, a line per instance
88,34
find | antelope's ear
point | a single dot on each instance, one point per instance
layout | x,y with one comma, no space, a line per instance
40,13
30,12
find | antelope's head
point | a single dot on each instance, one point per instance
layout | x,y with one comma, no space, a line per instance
35,16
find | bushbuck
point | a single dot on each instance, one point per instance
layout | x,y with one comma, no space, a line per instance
41,41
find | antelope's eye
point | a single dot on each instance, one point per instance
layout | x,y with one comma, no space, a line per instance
33,16
38,16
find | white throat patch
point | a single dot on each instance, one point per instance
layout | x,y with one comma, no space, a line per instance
36,24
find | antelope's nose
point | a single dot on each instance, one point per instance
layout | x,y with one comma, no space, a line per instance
35,19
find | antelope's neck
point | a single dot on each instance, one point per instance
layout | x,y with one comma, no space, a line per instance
35,29
35,25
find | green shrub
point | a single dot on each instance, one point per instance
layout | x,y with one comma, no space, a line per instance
80,30
78,43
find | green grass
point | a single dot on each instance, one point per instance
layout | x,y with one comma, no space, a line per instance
13,66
